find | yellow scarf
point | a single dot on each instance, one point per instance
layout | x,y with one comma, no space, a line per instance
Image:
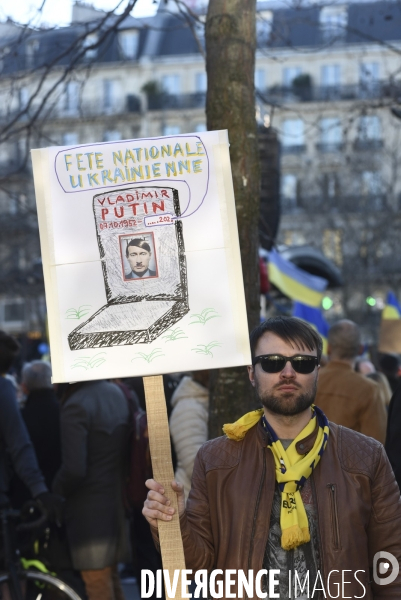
292,470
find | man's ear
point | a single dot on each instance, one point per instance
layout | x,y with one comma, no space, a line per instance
251,374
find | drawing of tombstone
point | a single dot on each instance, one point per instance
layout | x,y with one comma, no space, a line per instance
142,254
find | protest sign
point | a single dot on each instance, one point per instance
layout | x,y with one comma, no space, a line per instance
142,272
141,258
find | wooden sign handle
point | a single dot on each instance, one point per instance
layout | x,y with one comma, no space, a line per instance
160,451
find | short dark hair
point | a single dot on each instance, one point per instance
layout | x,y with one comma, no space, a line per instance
289,329
9,348
344,339
140,243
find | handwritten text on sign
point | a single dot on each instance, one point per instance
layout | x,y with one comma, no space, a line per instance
77,170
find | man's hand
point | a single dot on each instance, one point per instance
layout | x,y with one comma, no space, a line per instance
157,506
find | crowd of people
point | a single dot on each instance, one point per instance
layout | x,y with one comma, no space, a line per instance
68,446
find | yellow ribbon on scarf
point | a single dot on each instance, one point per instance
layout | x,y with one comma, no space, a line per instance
237,431
297,468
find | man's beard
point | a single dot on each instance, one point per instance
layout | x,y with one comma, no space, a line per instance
287,404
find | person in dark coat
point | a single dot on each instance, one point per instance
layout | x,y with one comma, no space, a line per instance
94,434
41,415
389,365
15,445
393,436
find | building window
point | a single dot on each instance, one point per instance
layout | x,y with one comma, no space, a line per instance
23,98
260,79
201,82
4,51
371,183
128,41
109,94
111,136
368,73
172,84
70,138
330,78
292,135
171,130
289,74
88,41
331,135
264,20
330,75
330,186
369,132
333,22
71,97
31,48
332,245
289,191
200,127
369,80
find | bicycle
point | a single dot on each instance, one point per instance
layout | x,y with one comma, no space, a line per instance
20,580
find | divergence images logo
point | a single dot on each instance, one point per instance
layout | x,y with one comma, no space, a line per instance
381,568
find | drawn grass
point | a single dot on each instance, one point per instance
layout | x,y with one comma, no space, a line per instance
202,349
78,313
156,353
87,362
204,316
174,334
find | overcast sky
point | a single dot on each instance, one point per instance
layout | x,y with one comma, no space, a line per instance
58,12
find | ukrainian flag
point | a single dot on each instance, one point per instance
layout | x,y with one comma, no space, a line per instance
392,310
314,317
294,282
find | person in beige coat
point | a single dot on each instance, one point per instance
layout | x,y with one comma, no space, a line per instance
346,397
188,423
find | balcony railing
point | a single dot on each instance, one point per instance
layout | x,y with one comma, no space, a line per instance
293,148
176,101
368,144
329,147
280,94
340,204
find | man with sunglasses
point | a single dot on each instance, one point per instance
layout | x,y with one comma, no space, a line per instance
285,490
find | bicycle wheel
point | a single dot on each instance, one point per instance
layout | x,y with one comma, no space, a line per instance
42,586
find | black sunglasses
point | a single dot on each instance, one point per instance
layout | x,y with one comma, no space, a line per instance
274,363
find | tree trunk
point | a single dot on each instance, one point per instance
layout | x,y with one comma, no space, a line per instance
230,65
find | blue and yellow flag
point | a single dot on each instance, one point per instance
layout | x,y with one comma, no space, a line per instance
294,282
392,309
314,317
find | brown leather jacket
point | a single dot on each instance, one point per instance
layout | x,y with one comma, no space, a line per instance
226,522
352,400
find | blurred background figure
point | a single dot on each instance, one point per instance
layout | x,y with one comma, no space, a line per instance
384,386
188,423
364,366
94,435
15,445
41,414
393,436
346,397
389,364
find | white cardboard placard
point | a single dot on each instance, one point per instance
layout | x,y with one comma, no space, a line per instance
141,258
